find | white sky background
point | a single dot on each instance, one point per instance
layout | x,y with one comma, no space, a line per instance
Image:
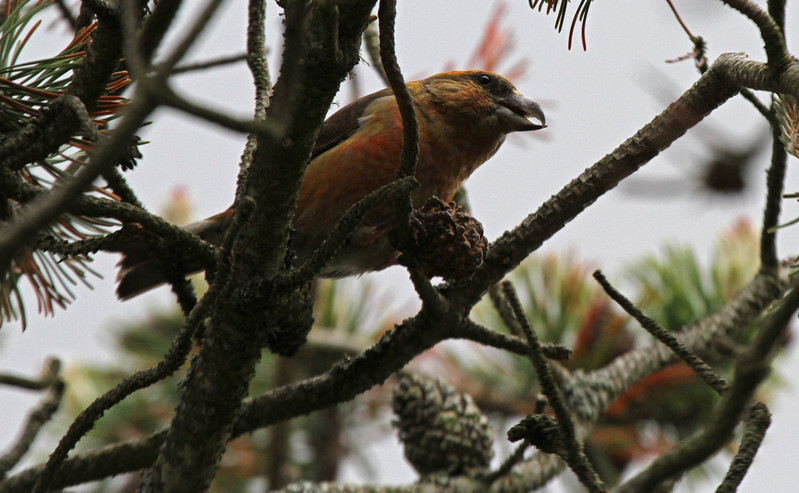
593,100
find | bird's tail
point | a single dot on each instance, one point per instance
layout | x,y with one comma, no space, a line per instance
144,266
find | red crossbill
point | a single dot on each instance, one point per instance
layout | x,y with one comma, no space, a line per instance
463,118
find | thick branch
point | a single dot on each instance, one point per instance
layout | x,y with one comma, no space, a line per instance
219,378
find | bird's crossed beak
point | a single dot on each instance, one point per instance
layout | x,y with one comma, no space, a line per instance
515,110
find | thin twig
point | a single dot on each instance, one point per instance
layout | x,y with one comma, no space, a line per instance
764,110
82,247
190,244
755,425
135,58
409,155
262,82
514,458
66,13
37,417
347,224
216,62
117,183
181,286
775,182
679,19
700,59
372,42
472,331
505,312
705,371
776,9
774,42
166,96
427,293
52,367
573,453
165,68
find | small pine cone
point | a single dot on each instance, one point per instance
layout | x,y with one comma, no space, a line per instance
441,429
291,326
447,242
540,430
281,316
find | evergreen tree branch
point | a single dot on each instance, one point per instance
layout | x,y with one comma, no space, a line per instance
776,9
63,117
216,62
347,224
85,421
515,344
37,417
697,364
587,394
775,182
750,371
188,243
778,57
572,447
755,425
591,393
215,385
45,207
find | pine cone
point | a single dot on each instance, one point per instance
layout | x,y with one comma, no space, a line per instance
289,331
447,242
540,430
441,429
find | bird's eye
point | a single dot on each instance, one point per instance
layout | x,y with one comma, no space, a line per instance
484,79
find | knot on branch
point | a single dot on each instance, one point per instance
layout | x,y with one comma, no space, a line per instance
281,314
441,429
444,241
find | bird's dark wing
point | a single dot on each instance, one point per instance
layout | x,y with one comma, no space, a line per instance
345,122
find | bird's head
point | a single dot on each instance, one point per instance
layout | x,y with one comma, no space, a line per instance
487,99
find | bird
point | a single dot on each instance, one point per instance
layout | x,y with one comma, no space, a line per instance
462,117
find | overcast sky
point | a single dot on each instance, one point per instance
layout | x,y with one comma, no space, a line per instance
593,100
